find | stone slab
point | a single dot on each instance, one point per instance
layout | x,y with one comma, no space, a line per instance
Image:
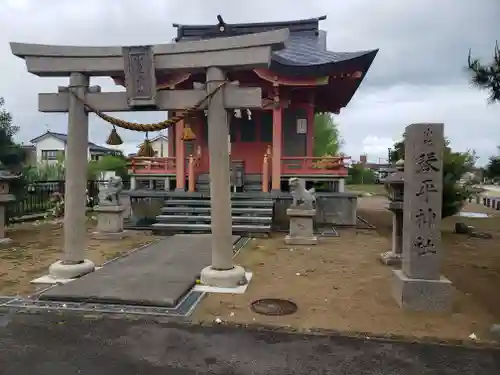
157,275
109,208
289,240
422,294
298,212
390,258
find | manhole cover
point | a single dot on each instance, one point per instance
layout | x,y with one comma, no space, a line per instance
273,306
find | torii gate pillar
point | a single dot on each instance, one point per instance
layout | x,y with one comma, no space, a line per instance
73,263
222,273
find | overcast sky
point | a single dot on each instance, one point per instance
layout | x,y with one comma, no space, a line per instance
418,76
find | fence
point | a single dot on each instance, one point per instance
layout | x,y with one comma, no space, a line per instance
35,198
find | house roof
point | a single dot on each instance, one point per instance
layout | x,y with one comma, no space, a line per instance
157,138
64,138
305,52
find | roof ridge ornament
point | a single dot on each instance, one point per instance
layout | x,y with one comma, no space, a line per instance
222,25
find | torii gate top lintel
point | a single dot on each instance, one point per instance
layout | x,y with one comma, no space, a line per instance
141,64
236,52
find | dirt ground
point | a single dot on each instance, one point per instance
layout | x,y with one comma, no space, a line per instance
340,284
36,245
374,189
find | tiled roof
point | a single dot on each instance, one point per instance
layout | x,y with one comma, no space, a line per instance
304,52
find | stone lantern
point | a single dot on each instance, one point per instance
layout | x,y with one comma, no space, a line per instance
5,178
394,184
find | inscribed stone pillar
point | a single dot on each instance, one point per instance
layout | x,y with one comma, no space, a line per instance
222,272
419,285
74,263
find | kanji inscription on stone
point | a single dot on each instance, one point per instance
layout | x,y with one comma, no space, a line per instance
424,145
140,78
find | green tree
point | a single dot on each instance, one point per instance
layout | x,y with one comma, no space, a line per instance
327,140
397,153
486,76
116,163
455,165
11,154
493,168
358,174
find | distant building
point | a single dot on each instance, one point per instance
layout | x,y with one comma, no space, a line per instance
50,147
373,166
159,144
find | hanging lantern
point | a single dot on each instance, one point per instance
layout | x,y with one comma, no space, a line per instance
114,138
188,134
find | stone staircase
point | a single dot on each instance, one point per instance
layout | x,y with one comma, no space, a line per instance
250,215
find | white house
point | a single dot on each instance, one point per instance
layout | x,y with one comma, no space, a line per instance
50,146
159,145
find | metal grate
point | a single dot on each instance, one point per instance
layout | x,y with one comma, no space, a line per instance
184,308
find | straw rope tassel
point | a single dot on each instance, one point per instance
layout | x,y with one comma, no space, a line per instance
115,139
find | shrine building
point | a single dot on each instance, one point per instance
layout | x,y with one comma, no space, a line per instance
268,145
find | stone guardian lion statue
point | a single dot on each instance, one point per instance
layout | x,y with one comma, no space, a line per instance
302,198
109,192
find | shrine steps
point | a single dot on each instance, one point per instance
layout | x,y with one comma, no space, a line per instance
252,182
249,215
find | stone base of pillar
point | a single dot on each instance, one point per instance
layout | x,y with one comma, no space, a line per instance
390,258
289,240
5,241
60,270
109,222
301,227
223,278
422,294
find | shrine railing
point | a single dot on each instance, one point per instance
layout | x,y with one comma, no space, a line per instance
312,165
153,165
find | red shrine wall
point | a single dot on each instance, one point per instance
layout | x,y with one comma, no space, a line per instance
250,137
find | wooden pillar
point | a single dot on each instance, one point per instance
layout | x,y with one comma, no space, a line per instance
265,174
191,177
180,161
310,130
277,143
171,141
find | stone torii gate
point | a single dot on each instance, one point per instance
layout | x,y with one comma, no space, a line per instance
141,65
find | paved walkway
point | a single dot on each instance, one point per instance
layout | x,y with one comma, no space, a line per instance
159,274
51,345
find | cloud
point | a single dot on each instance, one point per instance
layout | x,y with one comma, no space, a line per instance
418,75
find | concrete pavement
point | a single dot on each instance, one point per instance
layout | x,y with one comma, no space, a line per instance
49,344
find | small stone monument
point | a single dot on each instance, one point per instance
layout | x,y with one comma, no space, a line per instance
419,285
301,214
110,211
5,198
395,186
